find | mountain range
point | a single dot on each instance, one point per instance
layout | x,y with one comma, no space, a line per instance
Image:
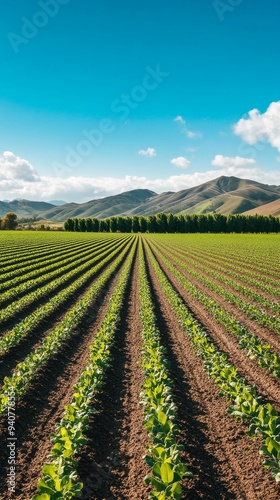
222,195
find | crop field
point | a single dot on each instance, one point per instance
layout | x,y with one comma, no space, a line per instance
137,366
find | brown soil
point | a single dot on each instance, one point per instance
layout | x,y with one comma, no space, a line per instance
245,265
264,333
226,463
268,386
9,360
111,465
28,257
223,272
19,315
40,272
43,404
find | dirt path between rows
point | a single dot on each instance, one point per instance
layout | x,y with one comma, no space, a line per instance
111,464
41,272
239,262
41,300
268,386
268,335
194,264
16,354
42,406
226,463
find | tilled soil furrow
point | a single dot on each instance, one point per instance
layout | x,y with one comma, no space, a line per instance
268,335
248,265
37,302
222,269
249,300
110,465
42,406
268,386
17,353
226,463
43,275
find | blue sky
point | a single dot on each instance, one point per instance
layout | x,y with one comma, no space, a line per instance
101,97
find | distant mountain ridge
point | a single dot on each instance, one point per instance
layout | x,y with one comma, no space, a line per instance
24,208
222,195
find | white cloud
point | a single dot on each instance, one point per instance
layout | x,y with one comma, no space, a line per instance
180,162
80,189
189,133
231,161
261,127
179,119
191,150
278,159
150,152
14,167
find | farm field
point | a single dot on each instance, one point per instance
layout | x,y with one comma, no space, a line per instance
128,356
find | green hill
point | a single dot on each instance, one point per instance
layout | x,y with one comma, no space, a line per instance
222,195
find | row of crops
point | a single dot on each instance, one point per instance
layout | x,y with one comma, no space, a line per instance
246,403
49,283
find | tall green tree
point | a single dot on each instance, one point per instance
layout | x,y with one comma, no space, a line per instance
161,220
142,224
220,223
181,223
82,225
103,226
94,225
76,225
171,223
121,224
113,224
151,224
9,221
135,224
69,225
88,223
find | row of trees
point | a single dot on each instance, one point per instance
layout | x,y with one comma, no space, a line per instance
170,223
9,221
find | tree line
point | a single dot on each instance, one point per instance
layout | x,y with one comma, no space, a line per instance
170,223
